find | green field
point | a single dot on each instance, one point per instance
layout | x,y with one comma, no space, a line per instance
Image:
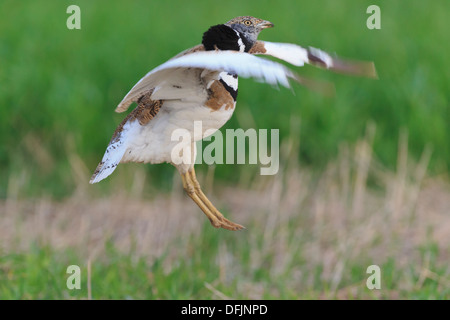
363,175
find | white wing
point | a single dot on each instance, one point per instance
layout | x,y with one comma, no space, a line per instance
288,52
242,64
298,56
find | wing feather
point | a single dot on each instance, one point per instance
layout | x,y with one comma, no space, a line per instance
240,63
298,56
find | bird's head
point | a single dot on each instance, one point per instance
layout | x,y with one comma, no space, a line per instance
249,27
238,34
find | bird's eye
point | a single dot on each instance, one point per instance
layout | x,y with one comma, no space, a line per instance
247,22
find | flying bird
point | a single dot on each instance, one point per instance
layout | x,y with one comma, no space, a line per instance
201,84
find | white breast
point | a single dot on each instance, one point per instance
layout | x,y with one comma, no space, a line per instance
153,142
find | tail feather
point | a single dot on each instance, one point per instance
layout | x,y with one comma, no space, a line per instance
110,161
115,151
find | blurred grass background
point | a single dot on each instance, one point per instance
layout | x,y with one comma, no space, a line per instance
59,88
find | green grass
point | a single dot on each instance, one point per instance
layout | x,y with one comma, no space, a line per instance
197,274
59,87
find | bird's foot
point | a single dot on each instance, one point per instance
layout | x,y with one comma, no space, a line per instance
222,222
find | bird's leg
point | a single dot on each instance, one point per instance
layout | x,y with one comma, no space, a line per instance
224,222
190,190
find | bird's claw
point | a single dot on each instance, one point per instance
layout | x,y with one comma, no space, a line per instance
224,223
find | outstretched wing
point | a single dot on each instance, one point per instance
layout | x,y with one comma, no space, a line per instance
298,56
242,64
248,66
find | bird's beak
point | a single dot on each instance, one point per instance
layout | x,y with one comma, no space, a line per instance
265,24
